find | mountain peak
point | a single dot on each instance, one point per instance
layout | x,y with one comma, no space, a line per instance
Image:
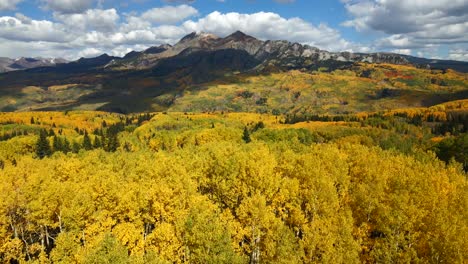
198,35
189,37
239,35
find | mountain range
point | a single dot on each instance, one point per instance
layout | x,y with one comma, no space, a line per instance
140,80
277,53
7,64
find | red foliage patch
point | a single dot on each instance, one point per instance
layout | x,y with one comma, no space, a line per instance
395,74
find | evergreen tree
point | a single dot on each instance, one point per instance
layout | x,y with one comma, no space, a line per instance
57,144
66,146
112,142
43,145
76,147
259,125
87,141
246,135
97,142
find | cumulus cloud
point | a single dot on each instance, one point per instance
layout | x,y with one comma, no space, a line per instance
92,19
266,25
8,4
97,31
90,52
411,23
76,30
169,14
24,29
68,6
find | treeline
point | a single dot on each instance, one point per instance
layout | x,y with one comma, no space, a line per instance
105,138
296,118
451,122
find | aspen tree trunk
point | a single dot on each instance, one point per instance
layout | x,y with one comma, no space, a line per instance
255,257
15,231
59,216
26,244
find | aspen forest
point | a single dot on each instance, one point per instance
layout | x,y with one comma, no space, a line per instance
215,187
233,132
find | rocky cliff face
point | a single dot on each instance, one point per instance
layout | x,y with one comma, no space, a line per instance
279,53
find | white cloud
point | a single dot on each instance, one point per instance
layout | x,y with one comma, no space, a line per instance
402,51
68,6
96,31
24,19
134,23
458,54
8,4
90,53
265,25
411,24
397,41
32,30
169,14
92,19
14,48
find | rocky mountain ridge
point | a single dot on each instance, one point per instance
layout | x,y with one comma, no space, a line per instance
268,54
278,53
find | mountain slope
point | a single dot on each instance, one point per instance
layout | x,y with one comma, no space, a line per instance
173,77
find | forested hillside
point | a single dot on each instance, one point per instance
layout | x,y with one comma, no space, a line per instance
219,187
336,89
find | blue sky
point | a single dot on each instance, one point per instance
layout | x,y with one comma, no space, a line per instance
85,28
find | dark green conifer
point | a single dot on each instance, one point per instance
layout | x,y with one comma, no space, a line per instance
246,135
76,147
87,141
57,144
97,142
112,143
43,145
66,146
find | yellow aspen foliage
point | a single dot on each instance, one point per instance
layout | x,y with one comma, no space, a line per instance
188,189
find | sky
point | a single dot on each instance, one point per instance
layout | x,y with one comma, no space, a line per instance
72,29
